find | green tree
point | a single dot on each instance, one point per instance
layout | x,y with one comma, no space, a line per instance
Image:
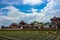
2,27
50,24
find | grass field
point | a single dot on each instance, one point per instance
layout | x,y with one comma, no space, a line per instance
32,35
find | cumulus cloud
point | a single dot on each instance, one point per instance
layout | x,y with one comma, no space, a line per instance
4,21
11,2
51,9
15,15
19,2
32,2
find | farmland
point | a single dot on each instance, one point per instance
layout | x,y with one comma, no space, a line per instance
29,35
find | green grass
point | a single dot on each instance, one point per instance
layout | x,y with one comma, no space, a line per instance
26,35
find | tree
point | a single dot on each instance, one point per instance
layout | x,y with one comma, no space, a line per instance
32,24
2,27
50,24
38,24
58,25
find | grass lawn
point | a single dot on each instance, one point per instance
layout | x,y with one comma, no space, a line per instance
32,35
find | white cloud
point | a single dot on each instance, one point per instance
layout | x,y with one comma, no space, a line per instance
14,15
51,9
19,2
32,2
11,2
4,21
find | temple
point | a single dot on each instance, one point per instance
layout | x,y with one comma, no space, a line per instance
55,22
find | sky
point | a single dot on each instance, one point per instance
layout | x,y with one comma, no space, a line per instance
13,11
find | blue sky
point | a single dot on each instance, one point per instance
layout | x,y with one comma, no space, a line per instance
13,11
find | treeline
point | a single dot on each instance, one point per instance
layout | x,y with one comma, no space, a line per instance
36,23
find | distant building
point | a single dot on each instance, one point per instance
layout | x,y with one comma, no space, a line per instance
23,25
14,26
55,22
38,25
